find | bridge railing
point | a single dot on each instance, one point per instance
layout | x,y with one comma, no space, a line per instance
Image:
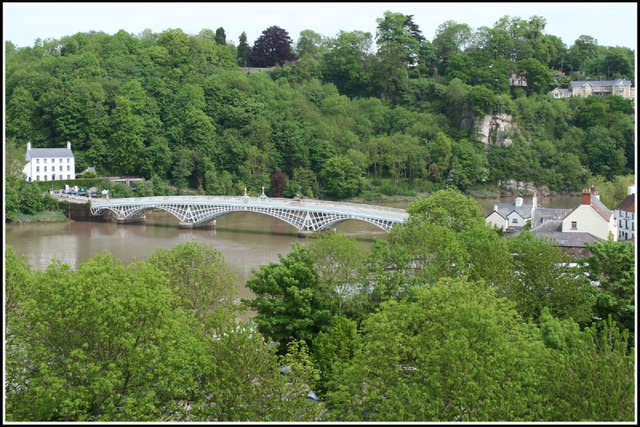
302,203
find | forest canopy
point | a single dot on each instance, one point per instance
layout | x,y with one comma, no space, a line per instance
180,108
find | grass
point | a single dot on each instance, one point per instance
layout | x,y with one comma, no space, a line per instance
40,217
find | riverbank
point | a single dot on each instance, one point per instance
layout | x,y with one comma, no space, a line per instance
40,217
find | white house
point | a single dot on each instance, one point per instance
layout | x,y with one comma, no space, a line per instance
592,217
512,215
625,216
604,88
49,164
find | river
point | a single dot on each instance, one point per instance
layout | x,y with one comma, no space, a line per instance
246,240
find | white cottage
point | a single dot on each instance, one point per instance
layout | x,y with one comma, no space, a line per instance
592,217
512,215
49,164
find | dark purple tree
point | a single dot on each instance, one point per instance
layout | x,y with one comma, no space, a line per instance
279,181
273,47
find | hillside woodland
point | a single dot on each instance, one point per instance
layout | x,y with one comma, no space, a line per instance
330,117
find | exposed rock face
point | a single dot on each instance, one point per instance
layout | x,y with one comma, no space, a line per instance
495,129
524,188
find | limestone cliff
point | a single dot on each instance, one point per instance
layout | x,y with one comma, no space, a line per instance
495,129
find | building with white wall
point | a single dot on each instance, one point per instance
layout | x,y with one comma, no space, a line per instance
592,217
625,216
49,164
512,216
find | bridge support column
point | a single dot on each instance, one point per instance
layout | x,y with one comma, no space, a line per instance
184,224
140,220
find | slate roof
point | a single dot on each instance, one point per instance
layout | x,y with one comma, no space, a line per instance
549,226
598,83
41,153
628,204
599,207
573,240
504,209
548,214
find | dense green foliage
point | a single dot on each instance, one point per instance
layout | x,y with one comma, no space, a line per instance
115,343
336,117
443,321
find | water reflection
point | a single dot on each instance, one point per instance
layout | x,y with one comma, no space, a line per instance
246,240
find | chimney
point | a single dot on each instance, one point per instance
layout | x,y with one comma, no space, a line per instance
631,190
585,199
518,201
28,145
534,201
68,145
495,208
595,192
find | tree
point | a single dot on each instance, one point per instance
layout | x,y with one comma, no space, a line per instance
348,63
128,137
244,50
456,352
339,261
273,47
400,31
448,208
592,371
450,37
289,302
538,75
182,168
612,266
341,178
279,182
221,38
200,277
103,343
545,278
309,43
243,381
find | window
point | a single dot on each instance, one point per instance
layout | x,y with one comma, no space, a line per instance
60,168
45,168
37,177
68,176
37,160
53,177
514,221
67,160
37,168
45,160
574,225
68,168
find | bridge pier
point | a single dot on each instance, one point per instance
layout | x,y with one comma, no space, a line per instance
184,224
139,220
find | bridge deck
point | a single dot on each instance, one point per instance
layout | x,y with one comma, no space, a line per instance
393,214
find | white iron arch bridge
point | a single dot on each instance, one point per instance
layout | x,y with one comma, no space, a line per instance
305,215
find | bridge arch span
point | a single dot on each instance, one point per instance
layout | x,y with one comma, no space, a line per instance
304,215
